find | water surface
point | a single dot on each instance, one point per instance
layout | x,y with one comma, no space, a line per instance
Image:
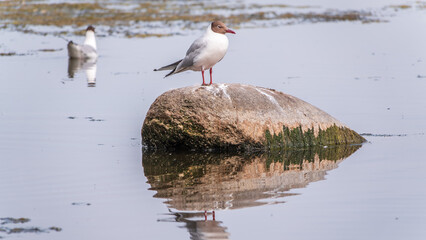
70,153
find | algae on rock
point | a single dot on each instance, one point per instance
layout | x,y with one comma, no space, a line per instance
297,138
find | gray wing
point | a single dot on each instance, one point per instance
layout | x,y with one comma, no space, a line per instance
182,65
194,50
73,50
196,46
87,50
80,51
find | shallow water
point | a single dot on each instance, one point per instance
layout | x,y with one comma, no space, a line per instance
70,153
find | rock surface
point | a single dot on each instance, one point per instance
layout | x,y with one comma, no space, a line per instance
228,117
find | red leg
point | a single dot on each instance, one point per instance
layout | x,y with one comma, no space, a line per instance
214,218
211,80
205,215
202,74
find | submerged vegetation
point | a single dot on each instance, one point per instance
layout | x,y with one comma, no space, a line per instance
8,54
9,220
5,222
157,18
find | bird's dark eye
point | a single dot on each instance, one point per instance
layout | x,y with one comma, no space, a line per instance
219,26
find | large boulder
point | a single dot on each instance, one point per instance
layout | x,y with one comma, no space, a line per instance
236,117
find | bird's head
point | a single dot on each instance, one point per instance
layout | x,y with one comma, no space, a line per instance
90,28
220,27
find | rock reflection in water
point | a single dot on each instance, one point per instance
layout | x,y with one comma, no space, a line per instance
199,182
88,65
194,183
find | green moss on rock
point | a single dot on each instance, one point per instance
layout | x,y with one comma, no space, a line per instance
297,138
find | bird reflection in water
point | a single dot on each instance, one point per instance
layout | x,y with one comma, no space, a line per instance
197,183
198,226
88,65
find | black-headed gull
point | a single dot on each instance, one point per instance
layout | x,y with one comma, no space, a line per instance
204,52
87,50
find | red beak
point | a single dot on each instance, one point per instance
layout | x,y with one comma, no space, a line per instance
230,31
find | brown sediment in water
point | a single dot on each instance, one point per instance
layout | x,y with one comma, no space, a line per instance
5,222
8,54
23,17
403,6
9,220
50,50
419,5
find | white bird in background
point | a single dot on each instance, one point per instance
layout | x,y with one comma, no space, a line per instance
87,50
204,52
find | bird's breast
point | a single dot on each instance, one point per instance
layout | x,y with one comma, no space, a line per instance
214,51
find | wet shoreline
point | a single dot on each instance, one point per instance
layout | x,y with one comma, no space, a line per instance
169,18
